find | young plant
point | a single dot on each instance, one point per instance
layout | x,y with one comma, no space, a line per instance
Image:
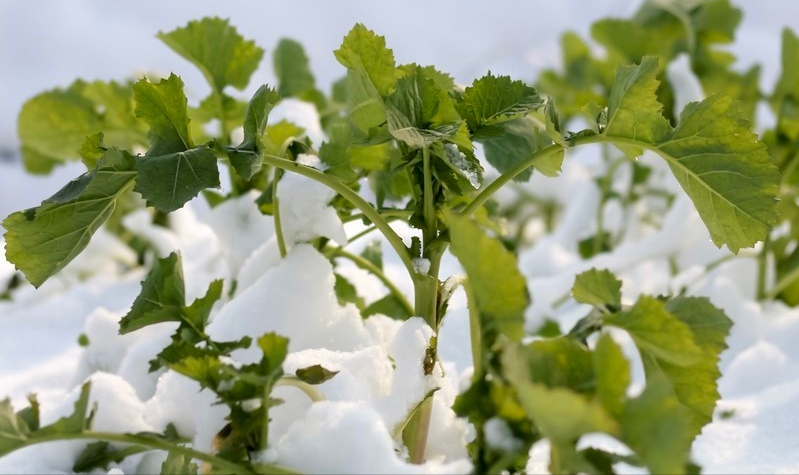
410,133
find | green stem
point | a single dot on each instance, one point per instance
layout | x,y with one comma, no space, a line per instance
762,267
361,234
313,394
153,444
509,175
281,241
428,198
350,195
474,332
785,282
368,266
265,426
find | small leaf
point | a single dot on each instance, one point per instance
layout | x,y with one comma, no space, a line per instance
245,158
218,50
178,464
599,288
517,141
493,99
162,296
657,332
656,427
389,306
275,349
366,52
500,290
563,415
315,374
612,375
373,252
291,67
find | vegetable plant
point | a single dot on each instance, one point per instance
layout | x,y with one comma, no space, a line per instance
400,147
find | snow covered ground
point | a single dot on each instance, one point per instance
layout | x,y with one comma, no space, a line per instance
39,329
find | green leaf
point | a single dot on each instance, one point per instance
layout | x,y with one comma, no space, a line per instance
92,150
517,141
75,423
13,430
162,106
411,111
218,50
54,125
173,170
656,427
712,152
553,362
178,464
493,99
695,386
657,332
389,306
633,108
101,455
599,288
563,415
291,67
499,287
316,374
612,375
552,123
274,348
346,292
162,296
373,252
245,158
41,241
366,52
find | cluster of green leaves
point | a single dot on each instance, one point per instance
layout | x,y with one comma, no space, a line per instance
561,388
410,132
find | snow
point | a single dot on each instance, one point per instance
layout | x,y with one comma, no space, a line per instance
380,379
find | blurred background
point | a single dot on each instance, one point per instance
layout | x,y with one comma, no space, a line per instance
49,43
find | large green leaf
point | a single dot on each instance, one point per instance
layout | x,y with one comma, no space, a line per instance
712,152
173,170
41,241
517,141
54,124
499,287
218,50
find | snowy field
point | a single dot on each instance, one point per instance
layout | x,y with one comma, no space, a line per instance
54,42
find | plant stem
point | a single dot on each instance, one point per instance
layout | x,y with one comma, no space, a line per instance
350,195
762,264
428,199
281,241
153,444
785,282
368,266
474,332
313,394
509,175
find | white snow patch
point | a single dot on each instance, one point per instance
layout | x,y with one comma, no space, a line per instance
305,212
